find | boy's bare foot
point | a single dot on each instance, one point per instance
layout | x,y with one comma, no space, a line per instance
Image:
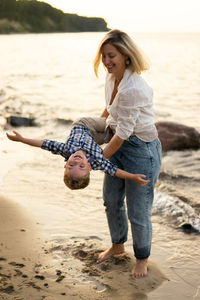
140,268
113,250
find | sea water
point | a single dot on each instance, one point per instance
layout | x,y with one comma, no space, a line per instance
50,77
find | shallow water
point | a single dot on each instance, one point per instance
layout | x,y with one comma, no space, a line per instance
50,76
73,218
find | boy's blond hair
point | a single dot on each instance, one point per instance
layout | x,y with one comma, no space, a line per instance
137,62
76,183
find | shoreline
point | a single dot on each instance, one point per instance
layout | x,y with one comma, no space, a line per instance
33,266
38,264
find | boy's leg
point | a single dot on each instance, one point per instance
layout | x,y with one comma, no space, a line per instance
97,128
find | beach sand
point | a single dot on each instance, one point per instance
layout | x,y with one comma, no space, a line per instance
35,266
28,269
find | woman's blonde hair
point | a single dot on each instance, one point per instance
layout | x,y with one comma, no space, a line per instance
125,45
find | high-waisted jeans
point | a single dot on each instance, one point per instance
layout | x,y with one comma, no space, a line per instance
139,157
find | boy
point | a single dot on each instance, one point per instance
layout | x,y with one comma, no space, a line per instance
82,154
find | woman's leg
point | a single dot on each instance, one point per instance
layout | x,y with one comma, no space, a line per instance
113,194
139,204
145,158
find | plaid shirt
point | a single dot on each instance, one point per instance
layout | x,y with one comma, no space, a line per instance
80,138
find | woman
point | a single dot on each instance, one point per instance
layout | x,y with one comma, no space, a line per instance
134,147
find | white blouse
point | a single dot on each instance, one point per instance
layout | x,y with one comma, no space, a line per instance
131,112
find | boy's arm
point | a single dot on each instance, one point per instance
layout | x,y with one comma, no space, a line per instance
136,177
16,137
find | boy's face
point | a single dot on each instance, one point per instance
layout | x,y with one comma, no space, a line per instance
77,165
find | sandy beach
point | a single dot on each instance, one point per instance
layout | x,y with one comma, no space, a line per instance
35,263
31,269
50,236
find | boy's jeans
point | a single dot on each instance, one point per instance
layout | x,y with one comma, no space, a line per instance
140,157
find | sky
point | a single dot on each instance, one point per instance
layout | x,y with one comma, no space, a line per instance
138,15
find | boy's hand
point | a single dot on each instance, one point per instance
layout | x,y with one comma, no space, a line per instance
16,137
139,179
136,177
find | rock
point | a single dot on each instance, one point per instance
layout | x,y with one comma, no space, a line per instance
17,121
188,228
175,136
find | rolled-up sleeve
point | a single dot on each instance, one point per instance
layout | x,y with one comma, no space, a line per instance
129,108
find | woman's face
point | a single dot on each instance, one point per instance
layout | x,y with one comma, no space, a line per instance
113,60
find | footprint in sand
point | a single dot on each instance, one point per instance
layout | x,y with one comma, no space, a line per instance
17,265
114,274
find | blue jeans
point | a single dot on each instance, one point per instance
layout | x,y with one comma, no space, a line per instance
134,156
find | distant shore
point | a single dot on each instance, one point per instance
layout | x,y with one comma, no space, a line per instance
15,17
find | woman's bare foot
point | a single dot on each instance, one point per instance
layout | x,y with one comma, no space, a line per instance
113,250
140,268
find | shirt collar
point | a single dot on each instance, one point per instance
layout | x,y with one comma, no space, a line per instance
123,83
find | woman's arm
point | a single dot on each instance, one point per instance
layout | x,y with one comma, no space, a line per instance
114,144
105,114
16,137
136,177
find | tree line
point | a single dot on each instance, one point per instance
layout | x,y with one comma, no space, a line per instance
36,16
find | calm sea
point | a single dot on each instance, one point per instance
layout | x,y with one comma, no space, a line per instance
53,73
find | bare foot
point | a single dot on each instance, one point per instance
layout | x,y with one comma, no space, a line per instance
113,250
140,268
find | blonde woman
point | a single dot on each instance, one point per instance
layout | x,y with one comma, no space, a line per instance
134,147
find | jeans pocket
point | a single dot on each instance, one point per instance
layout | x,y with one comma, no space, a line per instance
136,147
135,141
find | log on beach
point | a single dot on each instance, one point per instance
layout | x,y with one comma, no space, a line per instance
175,136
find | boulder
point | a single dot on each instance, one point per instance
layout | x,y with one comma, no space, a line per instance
175,136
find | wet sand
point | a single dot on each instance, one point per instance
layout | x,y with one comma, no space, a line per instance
33,268
36,264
